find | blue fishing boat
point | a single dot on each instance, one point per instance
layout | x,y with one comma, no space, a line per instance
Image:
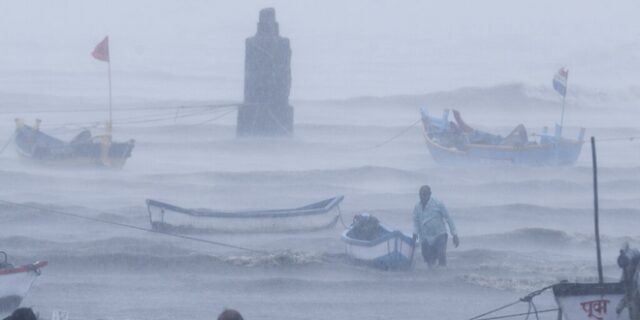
84,150
390,249
456,143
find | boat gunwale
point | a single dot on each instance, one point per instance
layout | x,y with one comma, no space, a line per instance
24,268
585,289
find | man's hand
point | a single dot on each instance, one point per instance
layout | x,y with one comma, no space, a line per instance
456,241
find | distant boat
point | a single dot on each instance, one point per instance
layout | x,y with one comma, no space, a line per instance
389,250
84,149
315,216
15,282
456,143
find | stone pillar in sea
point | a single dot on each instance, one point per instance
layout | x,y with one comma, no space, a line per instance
267,82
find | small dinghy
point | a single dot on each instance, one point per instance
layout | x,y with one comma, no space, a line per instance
456,143
369,242
15,282
84,149
315,216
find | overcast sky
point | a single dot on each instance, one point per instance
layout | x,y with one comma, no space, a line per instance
195,49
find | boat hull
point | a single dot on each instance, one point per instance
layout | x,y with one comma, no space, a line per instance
393,250
564,153
167,217
15,284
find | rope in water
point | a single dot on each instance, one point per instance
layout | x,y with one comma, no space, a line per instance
78,216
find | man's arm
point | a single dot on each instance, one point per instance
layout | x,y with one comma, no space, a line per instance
452,226
447,218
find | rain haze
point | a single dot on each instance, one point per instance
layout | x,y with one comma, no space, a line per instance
361,72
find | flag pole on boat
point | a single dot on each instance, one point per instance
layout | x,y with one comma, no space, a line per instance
101,52
596,217
560,82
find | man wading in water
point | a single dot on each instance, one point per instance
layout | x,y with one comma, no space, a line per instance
429,217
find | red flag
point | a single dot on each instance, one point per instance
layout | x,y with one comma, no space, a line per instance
101,52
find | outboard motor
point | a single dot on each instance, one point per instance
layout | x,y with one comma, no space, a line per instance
629,262
365,227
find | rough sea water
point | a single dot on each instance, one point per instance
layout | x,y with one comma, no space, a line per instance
521,228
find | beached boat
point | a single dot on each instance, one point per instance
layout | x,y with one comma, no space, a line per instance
84,149
15,282
315,216
389,250
456,143
590,301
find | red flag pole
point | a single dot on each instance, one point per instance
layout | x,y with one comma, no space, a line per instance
101,52
110,103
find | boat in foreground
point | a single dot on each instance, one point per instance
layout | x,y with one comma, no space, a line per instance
15,283
315,216
600,301
390,249
590,301
456,143
84,149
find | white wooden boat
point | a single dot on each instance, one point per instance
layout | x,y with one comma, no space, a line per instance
390,250
590,301
315,216
15,283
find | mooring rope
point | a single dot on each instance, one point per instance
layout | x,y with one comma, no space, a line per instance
123,225
394,137
211,106
8,142
478,317
340,216
277,121
528,298
215,118
513,315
